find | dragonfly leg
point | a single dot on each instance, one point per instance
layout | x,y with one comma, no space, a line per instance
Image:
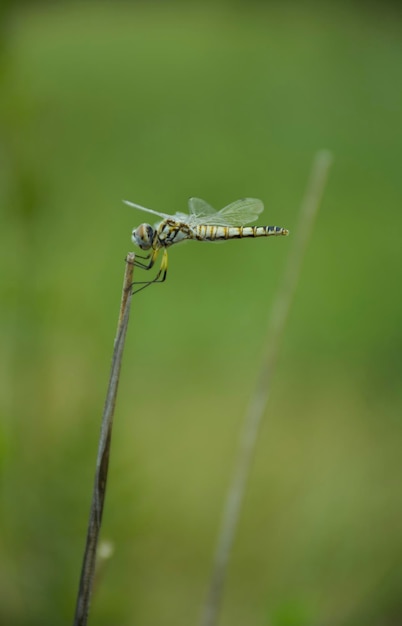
146,266
139,256
159,278
143,266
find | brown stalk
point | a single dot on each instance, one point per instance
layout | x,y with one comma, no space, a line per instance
259,399
102,462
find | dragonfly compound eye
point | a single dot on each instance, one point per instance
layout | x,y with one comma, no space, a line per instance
143,236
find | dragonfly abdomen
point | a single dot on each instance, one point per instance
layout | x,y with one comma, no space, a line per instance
205,232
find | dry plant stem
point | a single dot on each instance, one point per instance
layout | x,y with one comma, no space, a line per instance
259,399
102,462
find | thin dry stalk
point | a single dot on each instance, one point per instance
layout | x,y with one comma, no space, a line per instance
259,398
102,462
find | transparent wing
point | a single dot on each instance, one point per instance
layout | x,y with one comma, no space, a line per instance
199,207
237,213
142,208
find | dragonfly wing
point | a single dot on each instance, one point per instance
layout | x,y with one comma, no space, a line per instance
142,208
198,206
237,213
181,217
199,211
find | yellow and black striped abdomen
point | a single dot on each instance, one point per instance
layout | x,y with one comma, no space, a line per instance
205,232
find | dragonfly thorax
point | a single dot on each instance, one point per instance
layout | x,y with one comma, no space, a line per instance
143,236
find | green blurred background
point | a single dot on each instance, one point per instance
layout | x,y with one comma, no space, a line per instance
156,102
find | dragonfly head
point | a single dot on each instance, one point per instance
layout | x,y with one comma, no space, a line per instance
143,236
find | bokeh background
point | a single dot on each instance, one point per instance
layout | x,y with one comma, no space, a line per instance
157,102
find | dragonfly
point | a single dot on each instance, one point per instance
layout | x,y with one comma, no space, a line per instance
202,223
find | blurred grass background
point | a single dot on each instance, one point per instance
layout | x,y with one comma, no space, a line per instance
156,102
